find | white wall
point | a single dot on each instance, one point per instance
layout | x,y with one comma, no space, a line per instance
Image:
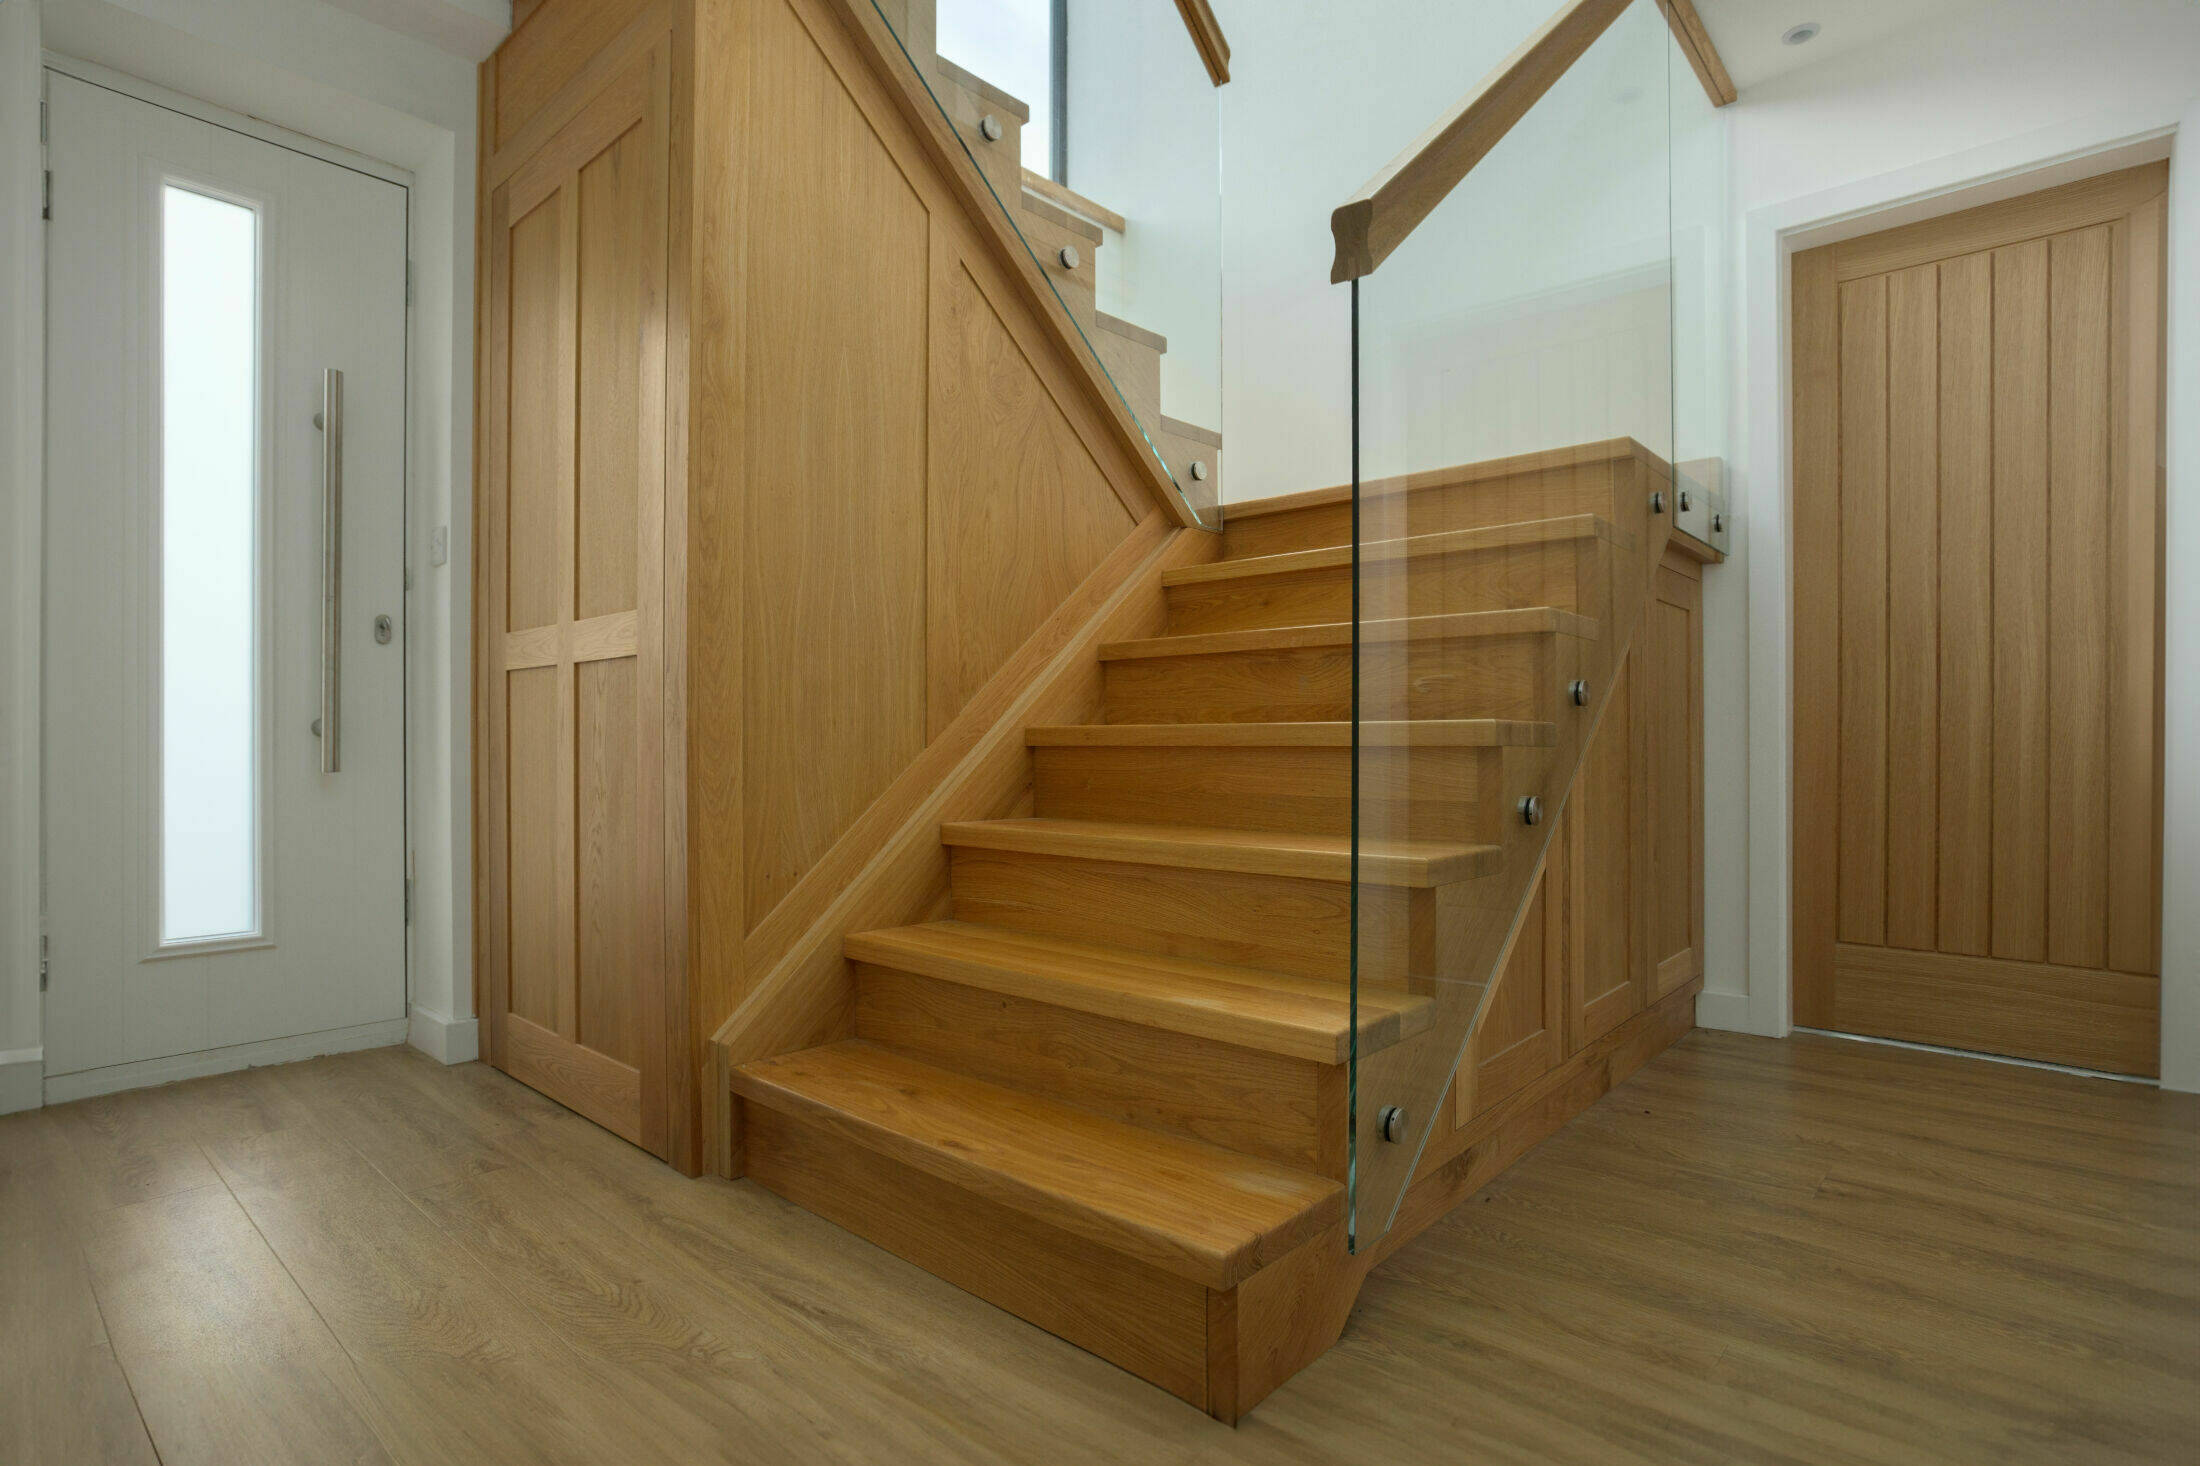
22,347
394,80
1320,97
1143,119
1947,114
2181,826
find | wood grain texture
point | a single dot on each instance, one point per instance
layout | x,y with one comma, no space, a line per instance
1377,219
2020,602
1996,754
1207,37
1863,688
1694,40
2031,1010
1191,1210
1249,1007
1019,513
574,502
1965,676
2003,1265
2078,501
833,623
1242,1099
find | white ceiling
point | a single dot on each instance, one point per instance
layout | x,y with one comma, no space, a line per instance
467,28
1747,32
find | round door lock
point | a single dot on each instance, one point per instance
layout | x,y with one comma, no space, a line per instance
989,128
1069,257
1393,1123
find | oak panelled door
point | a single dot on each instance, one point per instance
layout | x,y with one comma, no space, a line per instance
572,842
1978,673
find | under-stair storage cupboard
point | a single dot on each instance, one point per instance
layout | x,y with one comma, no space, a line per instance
780,459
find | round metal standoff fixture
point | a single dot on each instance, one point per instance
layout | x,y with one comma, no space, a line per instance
1393,1123
1578,690
1684,501
1657,502
1718,524
1531,810
989,128
1069,257
1199,469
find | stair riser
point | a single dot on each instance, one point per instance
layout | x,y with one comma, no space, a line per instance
1284,1109
1128,1312
1077,286
1538,494
1520,676
1002,159
1288,924
1418,793
1569,574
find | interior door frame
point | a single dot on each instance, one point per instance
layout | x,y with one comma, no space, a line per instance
1753,924
151,93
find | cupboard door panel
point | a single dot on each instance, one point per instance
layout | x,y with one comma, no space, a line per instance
574,992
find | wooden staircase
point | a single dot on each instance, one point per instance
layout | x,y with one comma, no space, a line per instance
1109,1093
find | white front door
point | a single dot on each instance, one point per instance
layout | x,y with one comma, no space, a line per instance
214,895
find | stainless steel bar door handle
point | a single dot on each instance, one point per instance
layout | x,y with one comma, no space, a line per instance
330,420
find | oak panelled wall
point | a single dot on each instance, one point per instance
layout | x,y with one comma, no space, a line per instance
778,466
1616,922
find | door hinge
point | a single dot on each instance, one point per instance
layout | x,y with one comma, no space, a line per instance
45,963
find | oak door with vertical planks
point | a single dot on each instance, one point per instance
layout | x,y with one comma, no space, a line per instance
1978,673
573,538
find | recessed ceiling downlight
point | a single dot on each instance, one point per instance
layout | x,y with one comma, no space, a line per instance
1796,35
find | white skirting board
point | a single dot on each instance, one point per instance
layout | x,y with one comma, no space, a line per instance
62,1088
445,1040
22,1079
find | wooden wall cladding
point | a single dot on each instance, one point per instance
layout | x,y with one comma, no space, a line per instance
882,475
1616,924
921,492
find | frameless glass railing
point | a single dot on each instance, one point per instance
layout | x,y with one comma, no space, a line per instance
1093,125
1513,400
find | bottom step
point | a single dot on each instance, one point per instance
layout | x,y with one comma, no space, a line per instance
1135,1245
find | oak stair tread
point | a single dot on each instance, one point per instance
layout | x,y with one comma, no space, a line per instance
1409,863
1247,1007
1480,471
1210,1215
1457,624
1390,733
1406,547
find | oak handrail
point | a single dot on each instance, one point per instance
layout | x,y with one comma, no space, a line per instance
1214,51
1377,219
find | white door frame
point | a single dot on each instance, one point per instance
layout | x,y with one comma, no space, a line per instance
1771,236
